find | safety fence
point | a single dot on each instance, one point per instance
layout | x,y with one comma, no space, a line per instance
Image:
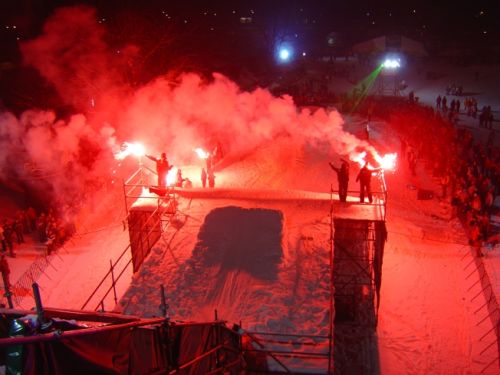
488,312
22,288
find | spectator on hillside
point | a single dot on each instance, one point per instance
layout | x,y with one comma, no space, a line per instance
31,215
19,229
438,102
412,161
8,233
445,182
2,240
475,238
5,271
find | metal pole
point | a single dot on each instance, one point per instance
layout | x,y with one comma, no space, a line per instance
163,304
39,308
141,173
167,345
331,307
113,280
125,197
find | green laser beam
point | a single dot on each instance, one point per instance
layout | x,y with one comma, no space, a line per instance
364,85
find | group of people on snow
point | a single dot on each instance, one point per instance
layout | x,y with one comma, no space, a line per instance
163,167
471,109
47,227
468,171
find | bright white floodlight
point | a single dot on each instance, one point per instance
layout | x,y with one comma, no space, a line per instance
284,54
391,64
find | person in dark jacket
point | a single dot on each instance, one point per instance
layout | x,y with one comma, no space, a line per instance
8,233
343,178
179,180
203,177
5,271
162,168
364,177
211,178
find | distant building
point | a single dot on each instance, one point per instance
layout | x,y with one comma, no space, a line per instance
390,44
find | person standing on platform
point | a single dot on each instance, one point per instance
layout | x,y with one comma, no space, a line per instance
203,177
343,179
179,179
364,177
211,178
162,168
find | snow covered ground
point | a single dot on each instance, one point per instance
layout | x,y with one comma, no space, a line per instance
256,250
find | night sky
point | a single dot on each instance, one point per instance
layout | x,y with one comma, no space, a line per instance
460,21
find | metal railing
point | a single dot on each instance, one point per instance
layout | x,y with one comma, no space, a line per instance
279,346
113,265
137,181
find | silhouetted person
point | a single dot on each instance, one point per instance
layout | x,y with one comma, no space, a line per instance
179,179
343,178
5,270
364,177
203,177
162,168
211,179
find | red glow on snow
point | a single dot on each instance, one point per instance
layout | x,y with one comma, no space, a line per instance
202,154
136,149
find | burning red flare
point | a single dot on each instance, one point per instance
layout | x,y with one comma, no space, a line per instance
202,154
386,162
135,149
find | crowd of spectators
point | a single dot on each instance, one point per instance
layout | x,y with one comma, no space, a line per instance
51,228
467,170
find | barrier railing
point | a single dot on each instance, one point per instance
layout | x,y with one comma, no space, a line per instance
281,346
489,308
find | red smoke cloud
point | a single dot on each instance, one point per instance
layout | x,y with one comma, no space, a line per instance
72,55
164,115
